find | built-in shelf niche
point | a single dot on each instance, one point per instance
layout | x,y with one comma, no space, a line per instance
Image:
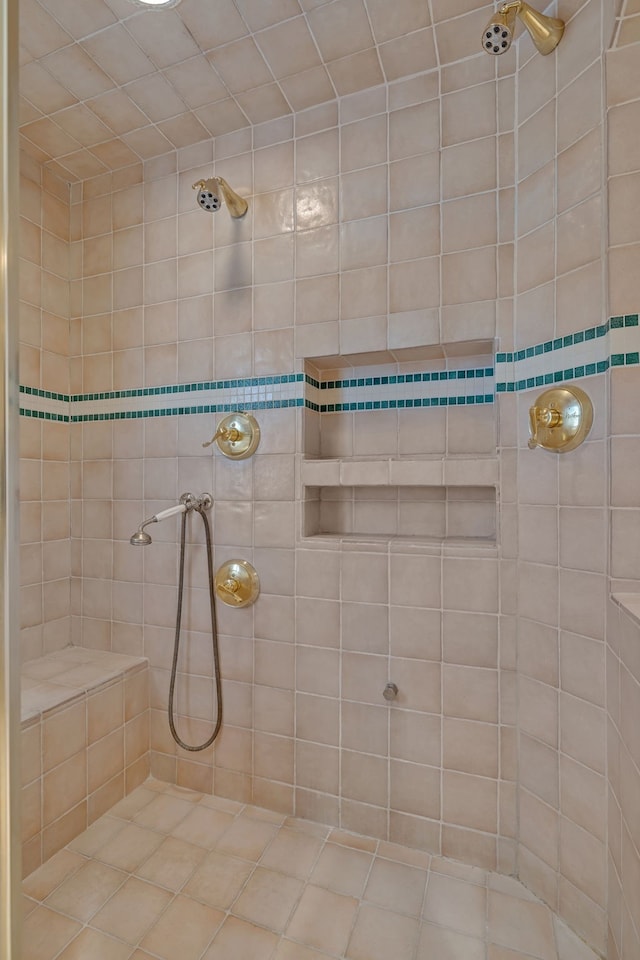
381,471
401,472
402,512
437,499
418,402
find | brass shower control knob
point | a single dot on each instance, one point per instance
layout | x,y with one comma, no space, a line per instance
237,436
236,583
560,419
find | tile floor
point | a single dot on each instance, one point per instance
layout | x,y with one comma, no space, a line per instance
177,875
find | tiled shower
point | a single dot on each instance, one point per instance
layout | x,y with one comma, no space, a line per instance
420,259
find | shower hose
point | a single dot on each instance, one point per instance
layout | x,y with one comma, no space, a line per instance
214,637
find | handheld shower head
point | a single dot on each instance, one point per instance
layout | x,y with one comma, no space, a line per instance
497,36
142,539
209,197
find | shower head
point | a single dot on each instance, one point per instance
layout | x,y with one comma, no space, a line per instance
497,36
208,194
209,197
140,538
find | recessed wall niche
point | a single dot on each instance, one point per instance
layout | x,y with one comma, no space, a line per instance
402,445
396,512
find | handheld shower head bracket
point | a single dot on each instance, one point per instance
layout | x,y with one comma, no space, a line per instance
188,501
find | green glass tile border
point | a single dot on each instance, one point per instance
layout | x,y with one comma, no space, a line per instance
560,376
471,373
577,371
44,415
560,343
186,410
628,320
46,394
628,358
240,383
355,406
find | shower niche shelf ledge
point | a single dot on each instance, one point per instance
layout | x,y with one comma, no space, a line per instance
440,502
393,472
429,500
429,546
450,350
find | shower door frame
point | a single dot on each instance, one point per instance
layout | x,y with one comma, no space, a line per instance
10,846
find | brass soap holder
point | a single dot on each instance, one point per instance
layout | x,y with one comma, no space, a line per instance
237,583
560,419
237,436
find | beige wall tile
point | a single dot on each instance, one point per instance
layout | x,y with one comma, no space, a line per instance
324,581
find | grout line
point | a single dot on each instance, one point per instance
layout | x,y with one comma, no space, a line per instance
167,790
569,357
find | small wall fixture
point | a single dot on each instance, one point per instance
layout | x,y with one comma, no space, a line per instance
236,583
209,197
390,691
237,436
497,36
560,419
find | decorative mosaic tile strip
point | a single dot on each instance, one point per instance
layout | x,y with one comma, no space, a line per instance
436,388
44,405
402,378
425,389
48,394
255,393
582,354
624,339
353,406
185,411
262,384
44,415
225,396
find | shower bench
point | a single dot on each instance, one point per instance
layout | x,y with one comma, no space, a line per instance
84,743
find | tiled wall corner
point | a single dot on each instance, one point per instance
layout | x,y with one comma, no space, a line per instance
562,522
623,103
44,445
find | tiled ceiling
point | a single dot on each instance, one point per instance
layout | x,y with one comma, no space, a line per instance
105,83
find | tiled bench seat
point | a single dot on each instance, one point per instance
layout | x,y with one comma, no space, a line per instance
85,743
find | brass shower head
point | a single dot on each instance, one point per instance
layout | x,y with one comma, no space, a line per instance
209,197
497,36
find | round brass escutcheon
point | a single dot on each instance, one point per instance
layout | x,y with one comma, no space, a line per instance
237,583
560,419
237,436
